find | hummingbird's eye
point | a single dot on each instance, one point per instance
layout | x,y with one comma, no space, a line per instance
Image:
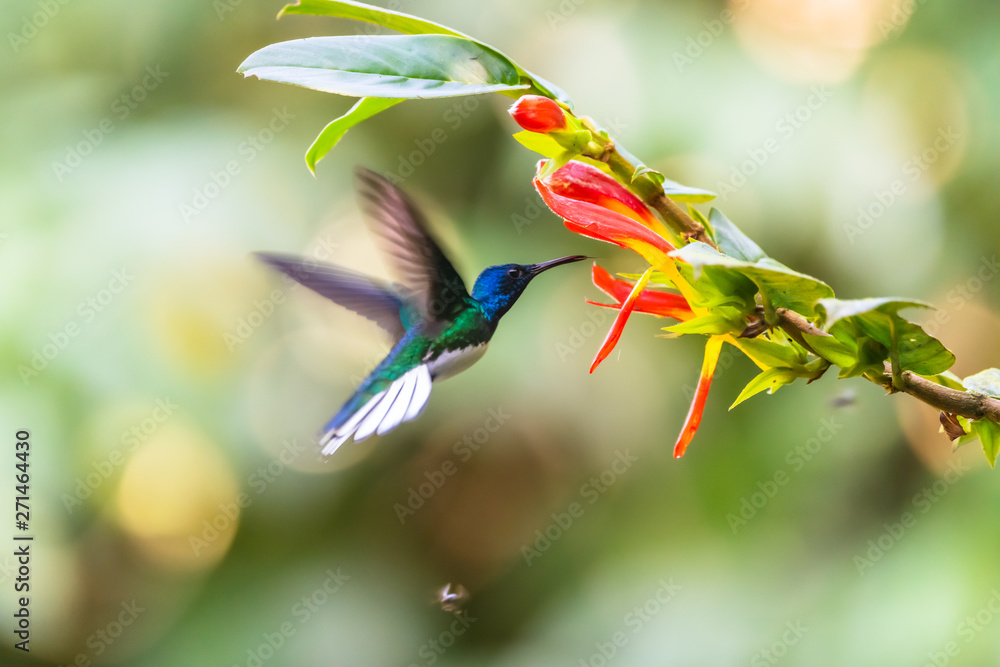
514,272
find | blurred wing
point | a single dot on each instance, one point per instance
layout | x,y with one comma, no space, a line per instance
368,413
419,262
366,296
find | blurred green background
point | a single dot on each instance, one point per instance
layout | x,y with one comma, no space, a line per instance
173,386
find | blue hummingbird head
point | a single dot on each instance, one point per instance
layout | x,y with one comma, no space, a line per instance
498,287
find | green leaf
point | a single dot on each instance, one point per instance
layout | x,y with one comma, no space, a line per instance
833,350
770,353
717,287
838,309
989,436
698,216
732,241
642,171
546,146
656,277
772,379
871,356
706,324
685,193
950,380
970,435
876,318
393,66
410,25
985,382
363,109
358,11
778,285
673,189
556,163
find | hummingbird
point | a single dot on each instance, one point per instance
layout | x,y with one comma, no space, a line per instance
438,328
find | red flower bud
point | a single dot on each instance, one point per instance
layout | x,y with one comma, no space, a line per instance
537,114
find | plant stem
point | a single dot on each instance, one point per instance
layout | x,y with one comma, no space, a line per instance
965,403
951,401
795,325
654,196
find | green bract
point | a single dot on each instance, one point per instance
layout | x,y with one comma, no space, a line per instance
770,380
779,286
989,436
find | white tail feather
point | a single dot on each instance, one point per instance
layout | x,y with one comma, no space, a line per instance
404,400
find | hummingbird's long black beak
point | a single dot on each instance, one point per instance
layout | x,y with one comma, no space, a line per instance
545,266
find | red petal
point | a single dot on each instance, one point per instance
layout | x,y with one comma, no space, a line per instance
693,420
585,182
616,306
574,201
604,225
654,302
619,324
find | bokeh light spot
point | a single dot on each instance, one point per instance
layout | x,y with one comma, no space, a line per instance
177,498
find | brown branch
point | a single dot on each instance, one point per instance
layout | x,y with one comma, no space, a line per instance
795,325
677,218
793,322
965,403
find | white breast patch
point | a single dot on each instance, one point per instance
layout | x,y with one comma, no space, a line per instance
451,362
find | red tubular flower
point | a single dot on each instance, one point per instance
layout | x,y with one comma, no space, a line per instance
652,302
538,114
619,324
579,180
712,349
593,204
